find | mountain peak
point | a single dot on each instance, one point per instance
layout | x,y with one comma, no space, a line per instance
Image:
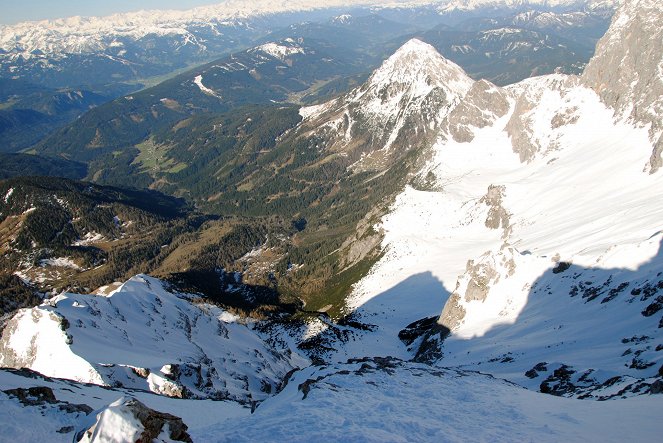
419,66
400,105
415,45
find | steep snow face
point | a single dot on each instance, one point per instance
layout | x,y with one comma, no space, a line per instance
141,336
401,104
115,423
627,69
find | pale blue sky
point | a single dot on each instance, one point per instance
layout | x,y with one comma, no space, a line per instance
14,11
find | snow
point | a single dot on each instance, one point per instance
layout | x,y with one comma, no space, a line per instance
91,34
8,194
89,238
279,51
414,402
40,341
396,91
560,207
470,5
141,325
409,66
115,423
20,423
62,262
199,82
307,112
579,201
32,424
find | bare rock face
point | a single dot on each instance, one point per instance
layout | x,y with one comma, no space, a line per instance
483,104
525,140
476,283
365,242
627,69
498,217
453,312
518,129
127,419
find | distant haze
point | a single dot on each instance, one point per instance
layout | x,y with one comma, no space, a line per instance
28,10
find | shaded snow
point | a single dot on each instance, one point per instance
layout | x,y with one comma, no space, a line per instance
401,402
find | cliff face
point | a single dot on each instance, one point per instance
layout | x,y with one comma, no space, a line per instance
627,69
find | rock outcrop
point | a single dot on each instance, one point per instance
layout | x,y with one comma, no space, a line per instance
627,69
127,419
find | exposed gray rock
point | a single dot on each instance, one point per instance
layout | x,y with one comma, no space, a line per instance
656,387
565,117
141,372
525,141
42,395
483,104
365,241
475,284
498,217
627,69
519,130
453,312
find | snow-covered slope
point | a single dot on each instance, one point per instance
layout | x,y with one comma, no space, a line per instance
37,408
144,337
541,231
383,399
401,103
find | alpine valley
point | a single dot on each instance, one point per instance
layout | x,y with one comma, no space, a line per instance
408,221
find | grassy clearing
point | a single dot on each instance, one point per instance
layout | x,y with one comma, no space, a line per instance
153,158
8,104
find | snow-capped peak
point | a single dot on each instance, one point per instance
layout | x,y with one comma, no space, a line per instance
401,104
419,67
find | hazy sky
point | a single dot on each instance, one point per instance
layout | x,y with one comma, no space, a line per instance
14,11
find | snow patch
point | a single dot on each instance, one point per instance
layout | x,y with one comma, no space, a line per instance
279,51
199,82
8,194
